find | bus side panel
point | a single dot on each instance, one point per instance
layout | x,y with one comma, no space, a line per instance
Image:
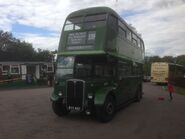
101,94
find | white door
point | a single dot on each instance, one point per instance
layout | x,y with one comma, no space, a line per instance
23,72
37,72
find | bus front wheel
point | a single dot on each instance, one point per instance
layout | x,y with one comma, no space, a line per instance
59,109
106,112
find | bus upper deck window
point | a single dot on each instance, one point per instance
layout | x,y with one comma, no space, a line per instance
90,25
139,44
90,18
113,22
68,27
74,20
121,33
134,39
142,46
94,21
78,26
73,23
129,36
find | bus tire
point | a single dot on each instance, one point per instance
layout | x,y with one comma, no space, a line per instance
106,112
59,109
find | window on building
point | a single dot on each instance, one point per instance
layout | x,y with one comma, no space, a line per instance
6,68
50,68
44,68
1,68
15,69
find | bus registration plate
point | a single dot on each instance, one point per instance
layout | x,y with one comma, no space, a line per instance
74,108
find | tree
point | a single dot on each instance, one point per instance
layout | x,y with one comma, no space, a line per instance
168,59
12,49
43,55
180,60
148,62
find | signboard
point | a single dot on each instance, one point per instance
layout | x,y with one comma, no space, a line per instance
76,38
81,40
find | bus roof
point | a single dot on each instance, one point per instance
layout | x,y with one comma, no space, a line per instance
92,10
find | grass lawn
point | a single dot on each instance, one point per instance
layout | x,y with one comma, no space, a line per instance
180,90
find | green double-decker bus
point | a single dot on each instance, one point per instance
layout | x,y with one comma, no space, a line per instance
99,64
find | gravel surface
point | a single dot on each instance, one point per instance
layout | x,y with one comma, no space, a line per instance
27,114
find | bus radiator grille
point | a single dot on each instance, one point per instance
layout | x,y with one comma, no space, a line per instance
75,91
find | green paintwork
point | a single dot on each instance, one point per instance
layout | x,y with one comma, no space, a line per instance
101,94
54,96
98,48
106,43
71,53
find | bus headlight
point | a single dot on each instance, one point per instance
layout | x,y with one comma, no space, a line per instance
56,82
60,93
90,96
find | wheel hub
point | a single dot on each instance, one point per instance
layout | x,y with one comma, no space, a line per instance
110,108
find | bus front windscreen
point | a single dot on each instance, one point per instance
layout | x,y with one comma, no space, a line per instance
64,66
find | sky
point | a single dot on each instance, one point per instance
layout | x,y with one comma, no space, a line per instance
161,22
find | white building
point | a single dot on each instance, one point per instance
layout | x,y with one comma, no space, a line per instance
21,69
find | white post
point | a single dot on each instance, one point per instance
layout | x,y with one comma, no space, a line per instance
37,72
23,72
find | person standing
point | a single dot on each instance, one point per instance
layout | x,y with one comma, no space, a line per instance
170,90
9,76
